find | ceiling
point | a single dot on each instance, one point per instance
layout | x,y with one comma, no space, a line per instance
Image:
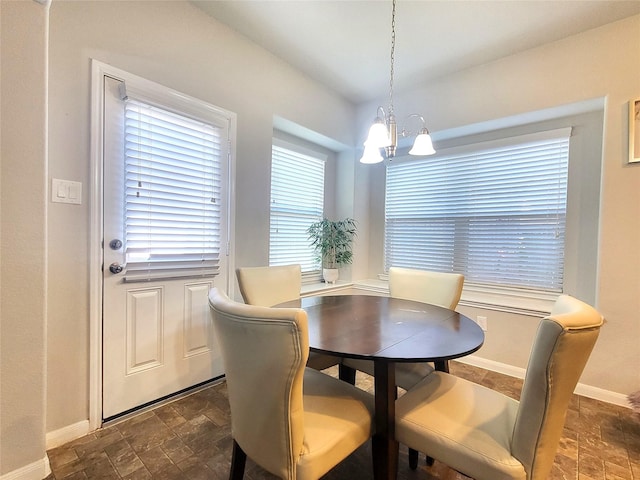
346,44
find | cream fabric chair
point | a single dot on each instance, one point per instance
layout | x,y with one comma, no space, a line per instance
295,422
269,286
436,288
489,436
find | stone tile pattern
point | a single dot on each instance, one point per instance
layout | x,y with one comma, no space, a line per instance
190,439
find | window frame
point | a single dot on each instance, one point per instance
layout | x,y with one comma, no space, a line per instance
314,275
583,215
517,184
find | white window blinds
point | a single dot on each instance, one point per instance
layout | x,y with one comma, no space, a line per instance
297,200
495,214
172,192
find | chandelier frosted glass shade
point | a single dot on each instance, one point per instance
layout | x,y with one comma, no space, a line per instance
371,154
423,144
378,135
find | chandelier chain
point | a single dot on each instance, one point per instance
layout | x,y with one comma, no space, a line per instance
393,48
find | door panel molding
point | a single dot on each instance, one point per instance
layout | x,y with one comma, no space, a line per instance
145,321
198,337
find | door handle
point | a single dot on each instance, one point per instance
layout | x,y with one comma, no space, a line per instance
116,268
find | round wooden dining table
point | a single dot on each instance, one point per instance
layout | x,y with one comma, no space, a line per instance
387,331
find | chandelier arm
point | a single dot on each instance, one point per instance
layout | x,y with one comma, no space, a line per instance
407,133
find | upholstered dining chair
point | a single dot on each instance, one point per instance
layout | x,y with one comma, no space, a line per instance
436,288
489,436
293,421
269,286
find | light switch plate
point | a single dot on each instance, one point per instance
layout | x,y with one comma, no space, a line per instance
66,191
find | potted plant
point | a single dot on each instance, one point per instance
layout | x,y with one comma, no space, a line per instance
333,242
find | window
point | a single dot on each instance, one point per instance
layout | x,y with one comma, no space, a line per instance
297,200
173,192
494,212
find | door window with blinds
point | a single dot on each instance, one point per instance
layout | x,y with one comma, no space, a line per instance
495,213
297,200
173,191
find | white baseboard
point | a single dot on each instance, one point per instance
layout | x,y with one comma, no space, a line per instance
41,469
581,389
492,365
66,434
603,395
34,471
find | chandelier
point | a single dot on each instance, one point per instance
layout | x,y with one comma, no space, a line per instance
383,134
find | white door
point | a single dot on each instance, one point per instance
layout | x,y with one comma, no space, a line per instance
157,334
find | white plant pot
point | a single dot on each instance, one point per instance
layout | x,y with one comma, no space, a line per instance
330,275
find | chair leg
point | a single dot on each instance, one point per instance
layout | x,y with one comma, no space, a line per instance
442,366
238,461
347,374
413,459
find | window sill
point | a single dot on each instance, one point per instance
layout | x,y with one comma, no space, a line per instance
503,299
510,300
310,289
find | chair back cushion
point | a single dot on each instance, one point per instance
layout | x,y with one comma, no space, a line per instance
436,288
560,351
264,351
269,286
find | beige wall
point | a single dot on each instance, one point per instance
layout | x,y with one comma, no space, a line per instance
601,63
23,99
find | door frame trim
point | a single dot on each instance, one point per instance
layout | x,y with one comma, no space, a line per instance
98,71
96,235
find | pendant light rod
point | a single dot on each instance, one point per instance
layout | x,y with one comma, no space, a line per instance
392,56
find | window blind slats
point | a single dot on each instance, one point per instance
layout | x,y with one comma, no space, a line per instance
496,215
172,192
297,200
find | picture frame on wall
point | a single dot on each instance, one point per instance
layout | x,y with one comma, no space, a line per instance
634,131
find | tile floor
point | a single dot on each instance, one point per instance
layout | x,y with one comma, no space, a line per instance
190,439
